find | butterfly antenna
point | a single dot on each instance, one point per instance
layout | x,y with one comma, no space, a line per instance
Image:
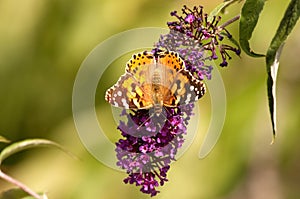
145,121
165,116
151,116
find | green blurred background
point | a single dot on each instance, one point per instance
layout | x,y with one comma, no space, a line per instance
43,43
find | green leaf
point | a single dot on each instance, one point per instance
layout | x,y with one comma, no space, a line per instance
26,144
227,5
13,193
217,9
271,86
287,23
3,139
249,17
17,193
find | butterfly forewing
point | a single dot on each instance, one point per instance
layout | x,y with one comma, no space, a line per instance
170,63
141,66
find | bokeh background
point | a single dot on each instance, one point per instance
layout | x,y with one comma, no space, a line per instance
43,43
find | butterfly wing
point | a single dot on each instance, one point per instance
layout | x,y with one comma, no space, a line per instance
170,63
180,86
184,90
141,67
129,94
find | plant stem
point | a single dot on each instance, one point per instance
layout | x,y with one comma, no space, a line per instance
230,21
19,184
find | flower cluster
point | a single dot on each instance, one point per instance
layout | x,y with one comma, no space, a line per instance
189,49
150,144
193,35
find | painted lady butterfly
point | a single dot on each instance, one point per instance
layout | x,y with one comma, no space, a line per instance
153,81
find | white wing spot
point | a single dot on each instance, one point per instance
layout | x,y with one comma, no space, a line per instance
192,88
188,98
125,104
119,93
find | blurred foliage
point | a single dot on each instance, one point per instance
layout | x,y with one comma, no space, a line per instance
42,46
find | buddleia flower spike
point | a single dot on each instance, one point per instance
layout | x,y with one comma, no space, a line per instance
158,91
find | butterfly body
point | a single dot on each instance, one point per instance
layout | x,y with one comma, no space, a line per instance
154,81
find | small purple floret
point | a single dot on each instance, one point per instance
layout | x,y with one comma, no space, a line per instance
189,18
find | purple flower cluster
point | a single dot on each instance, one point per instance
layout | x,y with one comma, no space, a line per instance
188,49
192,34
150,144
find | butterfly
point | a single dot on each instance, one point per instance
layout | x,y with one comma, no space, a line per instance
155,80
